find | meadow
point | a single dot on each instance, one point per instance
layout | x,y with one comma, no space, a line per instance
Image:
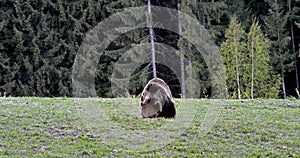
97,127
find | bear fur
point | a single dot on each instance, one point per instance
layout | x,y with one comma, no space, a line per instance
156,100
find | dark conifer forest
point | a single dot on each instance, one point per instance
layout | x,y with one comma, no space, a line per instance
39,41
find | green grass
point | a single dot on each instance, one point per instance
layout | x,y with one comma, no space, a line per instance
66,127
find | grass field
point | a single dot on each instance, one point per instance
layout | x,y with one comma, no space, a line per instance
66,127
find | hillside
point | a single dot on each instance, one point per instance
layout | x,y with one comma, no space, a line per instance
96,127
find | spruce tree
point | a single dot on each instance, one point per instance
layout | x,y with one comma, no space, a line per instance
262,75
233,51
195,71
292,17
211,15
275,28
240,10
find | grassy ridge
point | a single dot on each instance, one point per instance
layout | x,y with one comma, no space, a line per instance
62,127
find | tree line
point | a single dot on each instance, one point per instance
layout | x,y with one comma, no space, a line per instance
259,42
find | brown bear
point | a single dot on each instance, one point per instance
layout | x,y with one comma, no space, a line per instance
156,100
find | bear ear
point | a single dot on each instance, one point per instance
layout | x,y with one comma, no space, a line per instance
148,86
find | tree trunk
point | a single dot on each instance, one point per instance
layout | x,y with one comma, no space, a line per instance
294,48
152,40
191,73
191,78
237,67
183,93
182,76
252,69
237,76
283,84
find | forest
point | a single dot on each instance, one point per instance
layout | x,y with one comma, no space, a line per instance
258,41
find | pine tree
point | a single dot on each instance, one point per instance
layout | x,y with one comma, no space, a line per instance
121,58
194,70
292,18
210,14
261,72
298,25
275,28
233,51
240,10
